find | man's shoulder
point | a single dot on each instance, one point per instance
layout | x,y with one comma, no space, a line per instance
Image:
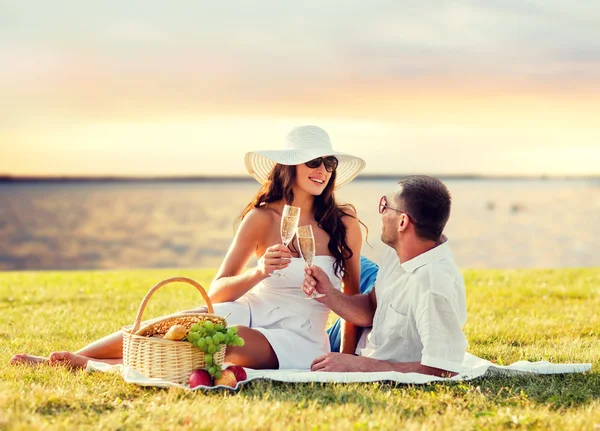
442,277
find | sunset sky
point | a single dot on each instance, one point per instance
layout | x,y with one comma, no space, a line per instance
187,87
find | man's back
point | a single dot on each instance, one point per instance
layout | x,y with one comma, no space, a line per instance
421,308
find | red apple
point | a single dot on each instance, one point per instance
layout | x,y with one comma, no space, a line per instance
227,379
200,378
240,373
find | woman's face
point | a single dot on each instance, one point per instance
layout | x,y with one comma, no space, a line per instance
312,180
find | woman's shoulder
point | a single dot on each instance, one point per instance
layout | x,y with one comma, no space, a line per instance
349,217
260,216
352,225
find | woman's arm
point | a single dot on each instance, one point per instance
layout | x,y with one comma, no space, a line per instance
351,282
231,281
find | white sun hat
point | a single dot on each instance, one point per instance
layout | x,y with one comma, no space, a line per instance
303,144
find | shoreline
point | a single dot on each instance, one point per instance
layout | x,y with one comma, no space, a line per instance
18,179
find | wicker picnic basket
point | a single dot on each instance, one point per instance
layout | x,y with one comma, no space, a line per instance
145,351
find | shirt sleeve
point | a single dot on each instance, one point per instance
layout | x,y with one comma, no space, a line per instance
440,330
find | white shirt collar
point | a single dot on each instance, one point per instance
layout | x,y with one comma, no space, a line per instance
436,254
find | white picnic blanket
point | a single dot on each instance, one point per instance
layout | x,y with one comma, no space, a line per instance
473,367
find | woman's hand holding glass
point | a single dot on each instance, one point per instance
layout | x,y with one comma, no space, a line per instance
289,222
276,258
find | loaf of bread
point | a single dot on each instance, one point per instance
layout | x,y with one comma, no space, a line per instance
176,333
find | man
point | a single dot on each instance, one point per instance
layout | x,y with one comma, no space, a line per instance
418,305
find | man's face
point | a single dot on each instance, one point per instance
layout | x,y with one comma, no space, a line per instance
390,218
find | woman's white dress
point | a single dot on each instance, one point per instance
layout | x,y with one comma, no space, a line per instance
294,326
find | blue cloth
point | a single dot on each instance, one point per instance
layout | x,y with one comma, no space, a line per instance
368,274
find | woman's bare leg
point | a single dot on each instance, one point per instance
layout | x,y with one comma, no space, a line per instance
73,360
108,349
256,352
111,346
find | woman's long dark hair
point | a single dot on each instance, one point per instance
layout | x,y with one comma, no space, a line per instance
327,212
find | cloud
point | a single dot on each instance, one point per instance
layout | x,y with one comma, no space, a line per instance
423,72
310,35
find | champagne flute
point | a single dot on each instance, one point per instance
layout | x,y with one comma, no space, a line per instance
306,241
289,223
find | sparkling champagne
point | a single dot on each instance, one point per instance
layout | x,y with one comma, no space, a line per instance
306,240
307,247
288,228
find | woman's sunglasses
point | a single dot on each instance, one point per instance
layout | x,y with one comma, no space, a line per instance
331,163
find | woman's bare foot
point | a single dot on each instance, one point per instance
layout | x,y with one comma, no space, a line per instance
26,359
68,359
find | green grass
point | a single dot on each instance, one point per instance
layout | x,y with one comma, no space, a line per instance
513,315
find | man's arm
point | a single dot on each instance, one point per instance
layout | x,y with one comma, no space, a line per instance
340,362
356,309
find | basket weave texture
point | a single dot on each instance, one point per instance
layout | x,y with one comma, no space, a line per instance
145,351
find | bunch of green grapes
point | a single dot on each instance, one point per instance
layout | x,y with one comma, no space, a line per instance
208,337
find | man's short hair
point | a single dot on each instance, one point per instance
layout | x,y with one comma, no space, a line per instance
427,200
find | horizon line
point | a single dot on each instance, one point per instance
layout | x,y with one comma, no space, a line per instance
4,178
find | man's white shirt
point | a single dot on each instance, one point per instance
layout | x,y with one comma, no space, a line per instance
421,309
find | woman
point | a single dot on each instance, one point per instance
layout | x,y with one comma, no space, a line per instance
280,327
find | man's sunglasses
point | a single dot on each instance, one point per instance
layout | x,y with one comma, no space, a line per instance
383,205
331,163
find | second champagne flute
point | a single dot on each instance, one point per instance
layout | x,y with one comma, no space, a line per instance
289,222
306,241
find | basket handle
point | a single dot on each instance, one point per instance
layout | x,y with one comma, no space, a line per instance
140,313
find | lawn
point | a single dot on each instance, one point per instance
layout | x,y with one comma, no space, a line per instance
513,315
